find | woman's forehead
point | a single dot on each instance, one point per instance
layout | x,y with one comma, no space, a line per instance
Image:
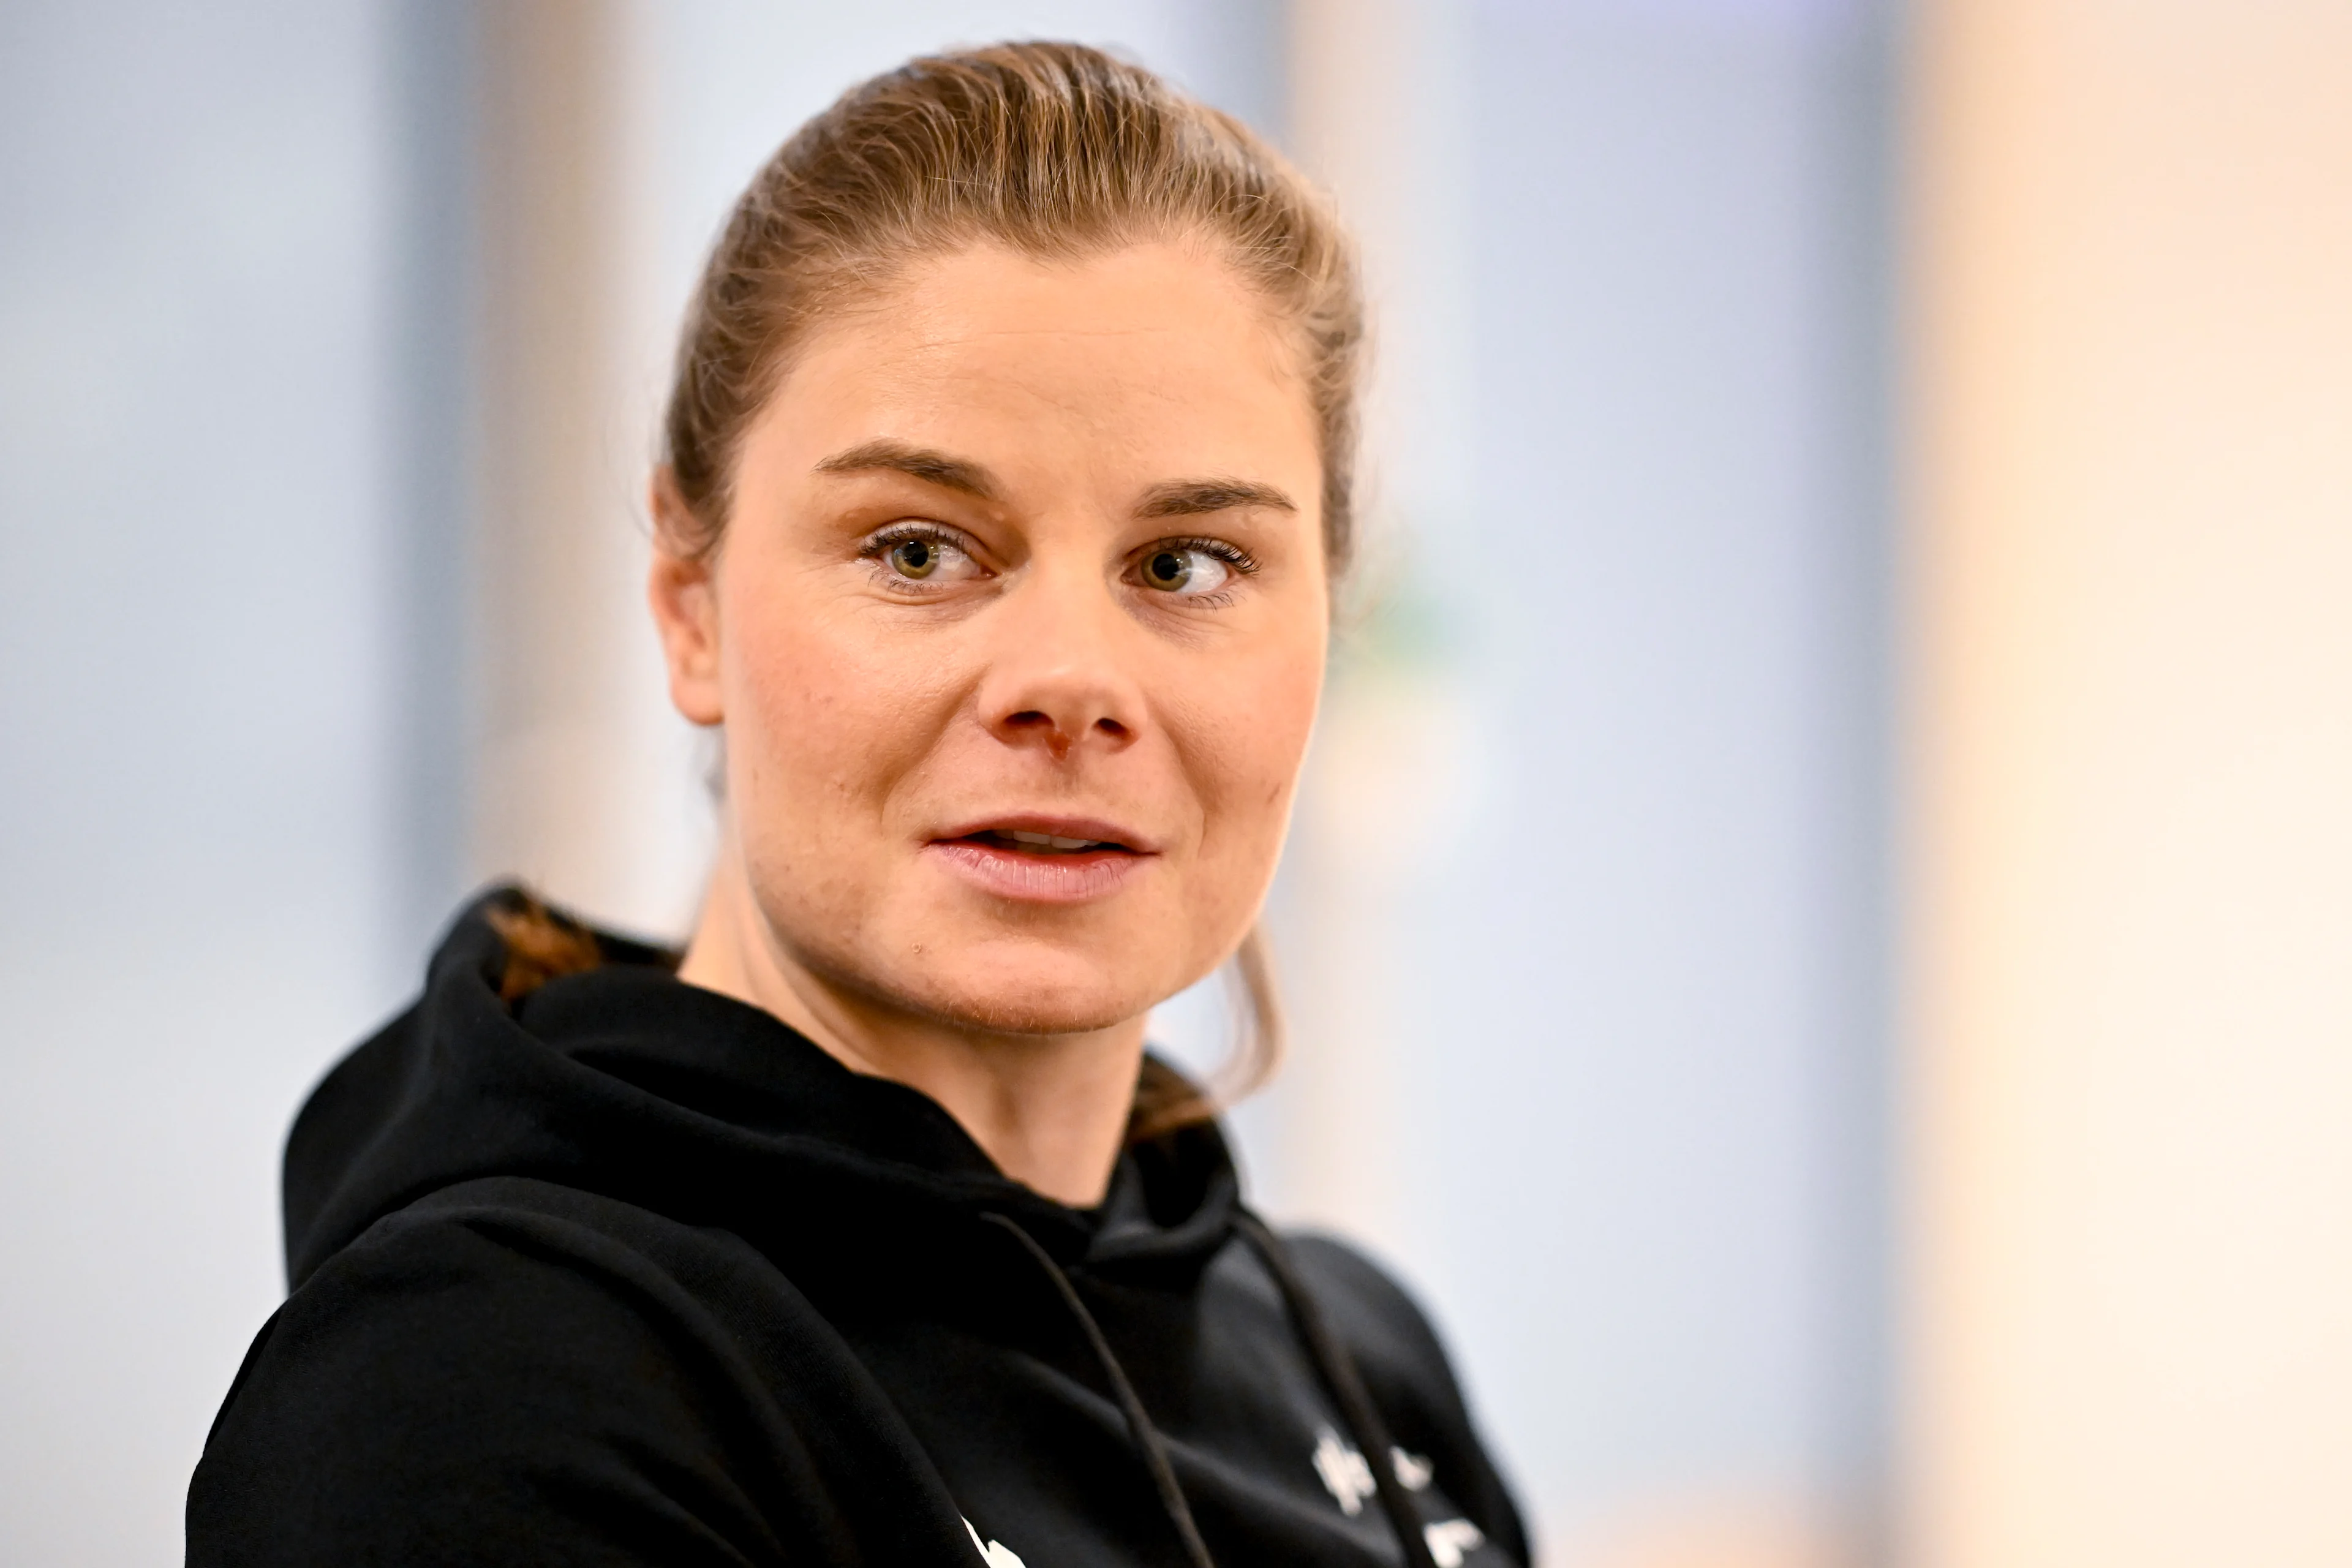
1146,359
986,306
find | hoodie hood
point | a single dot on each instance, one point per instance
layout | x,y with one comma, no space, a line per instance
625,1081
620,1270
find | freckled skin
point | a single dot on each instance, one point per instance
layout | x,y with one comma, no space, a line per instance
1032,672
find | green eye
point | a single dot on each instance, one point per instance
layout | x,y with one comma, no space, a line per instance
1187,569
1167,569
915,557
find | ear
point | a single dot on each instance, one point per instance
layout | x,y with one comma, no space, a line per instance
683,592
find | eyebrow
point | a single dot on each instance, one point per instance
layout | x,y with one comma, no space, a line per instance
917,462
1176,498
1191,498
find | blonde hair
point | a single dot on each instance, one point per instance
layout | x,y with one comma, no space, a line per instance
1058,151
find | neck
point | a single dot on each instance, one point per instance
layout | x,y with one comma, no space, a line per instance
1050,1109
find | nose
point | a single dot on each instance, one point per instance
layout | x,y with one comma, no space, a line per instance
1056,678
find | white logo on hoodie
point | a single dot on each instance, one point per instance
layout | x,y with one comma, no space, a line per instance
1450,1538
1348,1476
995,1553
1345,1474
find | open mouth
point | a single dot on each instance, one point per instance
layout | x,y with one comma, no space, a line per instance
1022,841
1054,860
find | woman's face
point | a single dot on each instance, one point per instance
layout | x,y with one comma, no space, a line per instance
1016,633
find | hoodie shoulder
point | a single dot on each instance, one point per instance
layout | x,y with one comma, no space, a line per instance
1411,1379
353,1106
441,1391
511,1371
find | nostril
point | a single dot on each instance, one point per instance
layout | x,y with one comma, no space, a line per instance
1038,723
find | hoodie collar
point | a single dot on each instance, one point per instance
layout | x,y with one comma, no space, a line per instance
626,1081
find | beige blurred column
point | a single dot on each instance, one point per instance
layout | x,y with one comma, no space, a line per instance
1367,119
2131,1300
586,781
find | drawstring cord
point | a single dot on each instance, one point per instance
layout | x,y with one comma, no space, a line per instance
1139,1422
1347,1389
1323,1348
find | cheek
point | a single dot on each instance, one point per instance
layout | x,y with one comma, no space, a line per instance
823,718
1247,747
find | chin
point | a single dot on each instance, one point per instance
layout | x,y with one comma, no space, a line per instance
1050,994
1000,1009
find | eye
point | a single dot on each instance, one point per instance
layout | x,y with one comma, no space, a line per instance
909,555
914,558
1191,568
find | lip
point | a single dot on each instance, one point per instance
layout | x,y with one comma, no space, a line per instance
1063,878
1059,826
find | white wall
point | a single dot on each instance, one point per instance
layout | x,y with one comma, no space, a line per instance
195,707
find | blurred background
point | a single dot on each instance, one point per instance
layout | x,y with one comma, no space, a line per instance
1820,928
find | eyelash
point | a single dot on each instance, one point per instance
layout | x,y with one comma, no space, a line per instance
1231,554
1244,564
881,543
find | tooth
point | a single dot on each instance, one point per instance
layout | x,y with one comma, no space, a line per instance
1070,843
1039,839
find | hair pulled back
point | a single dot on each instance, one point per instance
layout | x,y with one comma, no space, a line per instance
1057,152
1053,150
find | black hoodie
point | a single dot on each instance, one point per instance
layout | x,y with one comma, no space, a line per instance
629,1272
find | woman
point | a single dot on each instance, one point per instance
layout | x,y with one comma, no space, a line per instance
1007,472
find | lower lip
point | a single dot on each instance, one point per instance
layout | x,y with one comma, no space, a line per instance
1039,879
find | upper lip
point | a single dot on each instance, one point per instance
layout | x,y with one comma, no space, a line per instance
1092,827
